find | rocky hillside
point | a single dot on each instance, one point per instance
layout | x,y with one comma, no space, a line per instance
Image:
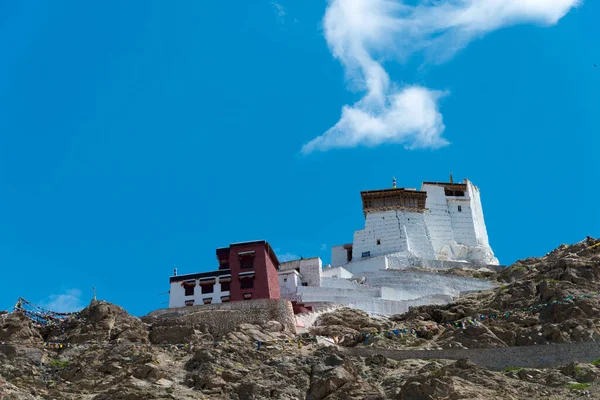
105,353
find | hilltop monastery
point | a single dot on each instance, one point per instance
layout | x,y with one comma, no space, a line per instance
390,265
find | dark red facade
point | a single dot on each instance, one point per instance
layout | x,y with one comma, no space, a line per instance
254,270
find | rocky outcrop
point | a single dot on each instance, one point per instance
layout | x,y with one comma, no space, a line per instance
18,328
112,355
100,322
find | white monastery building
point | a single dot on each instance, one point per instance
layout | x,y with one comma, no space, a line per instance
442,221
393,263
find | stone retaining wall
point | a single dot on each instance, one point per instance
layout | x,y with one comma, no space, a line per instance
220,319
540,356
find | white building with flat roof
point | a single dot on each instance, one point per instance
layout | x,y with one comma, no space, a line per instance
443,221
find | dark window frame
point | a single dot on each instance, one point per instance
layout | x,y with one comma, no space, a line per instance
207,289
247,261
247,283
189,290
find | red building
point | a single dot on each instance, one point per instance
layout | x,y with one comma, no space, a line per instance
246,271
254,270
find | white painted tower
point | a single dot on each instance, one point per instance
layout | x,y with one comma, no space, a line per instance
442,221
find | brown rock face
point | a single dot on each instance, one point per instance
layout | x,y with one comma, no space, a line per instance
113,359
18,328
101,322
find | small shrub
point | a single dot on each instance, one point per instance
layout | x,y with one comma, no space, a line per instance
596,362
170,390
512,369
59,364
578,386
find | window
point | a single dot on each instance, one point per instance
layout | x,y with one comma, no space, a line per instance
378,242
189,290
366,254
208,289
223,264
304,283
247,283
225,282
224,299
247,296
246,259
459,208
189,303
284,280
455,193
208,300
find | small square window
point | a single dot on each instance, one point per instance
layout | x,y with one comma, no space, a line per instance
207,300
366,254
284,280
189,290
247,261
247,284
225,286
208,289
247,296
304,283
378,242
189,303
459,208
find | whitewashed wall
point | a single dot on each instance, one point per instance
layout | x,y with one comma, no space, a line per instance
311,269
462,221
322,293
177,297
388,293
419,242
337,272
339,256
288,282
388,227
438,220
367,264
477,210
341,283
413,285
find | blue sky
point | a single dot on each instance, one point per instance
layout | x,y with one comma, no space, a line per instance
138,136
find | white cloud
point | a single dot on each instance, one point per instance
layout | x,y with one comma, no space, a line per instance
279,11
363,33
68,301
